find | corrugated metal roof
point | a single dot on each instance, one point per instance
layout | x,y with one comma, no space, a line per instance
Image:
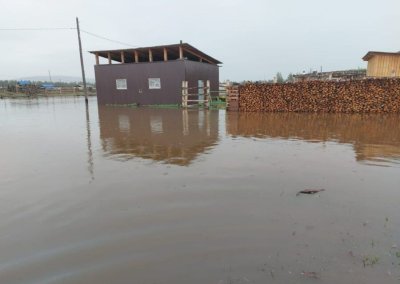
157,51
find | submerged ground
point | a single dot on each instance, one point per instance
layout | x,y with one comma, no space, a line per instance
120,195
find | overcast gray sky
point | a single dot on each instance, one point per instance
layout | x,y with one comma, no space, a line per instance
254,38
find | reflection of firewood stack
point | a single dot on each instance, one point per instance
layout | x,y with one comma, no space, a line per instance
232,99
359,96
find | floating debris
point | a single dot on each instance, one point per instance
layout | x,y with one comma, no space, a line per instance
370,260
310,191
310,274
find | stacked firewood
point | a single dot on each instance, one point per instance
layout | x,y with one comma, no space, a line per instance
357,96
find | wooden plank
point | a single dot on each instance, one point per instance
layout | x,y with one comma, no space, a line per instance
150,55
207,93
136,57
384,66
180,52
165,54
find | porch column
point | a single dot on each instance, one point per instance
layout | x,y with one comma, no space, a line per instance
122,57
136,57
180,52
165,54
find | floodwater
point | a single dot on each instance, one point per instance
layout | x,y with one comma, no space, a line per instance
120,195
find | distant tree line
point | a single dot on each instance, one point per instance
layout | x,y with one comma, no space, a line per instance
279,78
8,83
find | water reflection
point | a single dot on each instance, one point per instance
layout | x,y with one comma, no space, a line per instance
375,138
168,135
89,143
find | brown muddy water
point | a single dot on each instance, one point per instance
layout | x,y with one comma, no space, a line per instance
120,195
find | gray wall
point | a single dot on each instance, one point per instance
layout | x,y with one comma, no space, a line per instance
171,74
202,71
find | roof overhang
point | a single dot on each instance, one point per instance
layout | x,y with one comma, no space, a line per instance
371,54
189,51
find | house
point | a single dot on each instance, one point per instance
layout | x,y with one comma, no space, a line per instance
152,75
24,83
48,86
383,64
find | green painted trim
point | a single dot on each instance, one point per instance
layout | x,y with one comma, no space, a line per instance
122,105
170,106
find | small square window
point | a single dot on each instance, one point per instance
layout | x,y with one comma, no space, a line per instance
154,83
121,84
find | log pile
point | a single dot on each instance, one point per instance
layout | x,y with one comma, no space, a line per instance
357,96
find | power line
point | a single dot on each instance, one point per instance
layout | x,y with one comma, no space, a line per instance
34,29
54,29
104,38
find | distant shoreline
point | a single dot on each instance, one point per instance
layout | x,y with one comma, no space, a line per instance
9,95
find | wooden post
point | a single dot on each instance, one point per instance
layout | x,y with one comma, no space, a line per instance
180,52
109,57
150,55
136,57
208,94
185,122
165,54
122,57
183,94
187,92
81,56
97,59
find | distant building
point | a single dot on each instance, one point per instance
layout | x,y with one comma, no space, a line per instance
24,83
331,76
153,75
383,64
48,86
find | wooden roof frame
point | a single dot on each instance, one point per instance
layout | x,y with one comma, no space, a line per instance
184,50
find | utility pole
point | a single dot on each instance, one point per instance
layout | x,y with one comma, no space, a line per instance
82,67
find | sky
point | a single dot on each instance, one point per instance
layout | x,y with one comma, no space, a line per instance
254,39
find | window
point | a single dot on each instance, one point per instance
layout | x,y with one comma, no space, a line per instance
154,83
121,84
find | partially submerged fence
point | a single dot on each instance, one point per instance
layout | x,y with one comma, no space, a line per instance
196,95
358,96
232,98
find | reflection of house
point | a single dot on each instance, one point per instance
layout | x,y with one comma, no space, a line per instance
373,137
383,64
152,75
171,135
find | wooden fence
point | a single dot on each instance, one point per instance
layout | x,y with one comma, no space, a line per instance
196,95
